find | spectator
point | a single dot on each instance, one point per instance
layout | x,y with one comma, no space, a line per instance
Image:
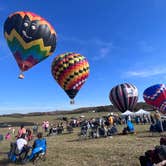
21,131
39,145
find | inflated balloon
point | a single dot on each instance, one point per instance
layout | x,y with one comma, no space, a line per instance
155,96
124,96
30,38
70,70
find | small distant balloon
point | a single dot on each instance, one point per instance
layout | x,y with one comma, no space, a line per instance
71,71
124,96
30,38
155,96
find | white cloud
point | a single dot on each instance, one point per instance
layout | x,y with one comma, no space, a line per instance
102,48
147,72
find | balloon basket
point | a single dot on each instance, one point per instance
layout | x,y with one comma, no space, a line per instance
72,101
21,76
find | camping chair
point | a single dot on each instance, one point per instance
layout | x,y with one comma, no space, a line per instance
69,129
37,154
1,137
83,133
15,155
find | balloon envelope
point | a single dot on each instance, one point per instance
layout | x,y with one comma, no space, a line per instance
30,38
70,70
155,96
124,97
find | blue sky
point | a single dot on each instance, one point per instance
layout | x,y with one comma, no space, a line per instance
124,41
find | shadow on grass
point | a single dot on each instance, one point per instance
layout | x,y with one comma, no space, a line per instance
4,162
15,124
155,134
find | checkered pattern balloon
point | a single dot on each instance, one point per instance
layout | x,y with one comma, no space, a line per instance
70,70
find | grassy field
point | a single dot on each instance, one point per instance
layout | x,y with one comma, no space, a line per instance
68,150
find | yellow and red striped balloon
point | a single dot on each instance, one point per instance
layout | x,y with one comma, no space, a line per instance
70,70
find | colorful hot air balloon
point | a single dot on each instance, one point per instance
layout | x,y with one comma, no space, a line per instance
124,96
155,96
30,38
70,70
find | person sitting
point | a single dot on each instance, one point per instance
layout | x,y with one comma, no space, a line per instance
112,131
8,136
101,130
69,128
29,134
60,128
52,131
35,128
39,146
1,137
157,156
129,128
22,147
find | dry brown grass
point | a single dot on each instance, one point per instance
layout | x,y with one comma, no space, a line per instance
67,150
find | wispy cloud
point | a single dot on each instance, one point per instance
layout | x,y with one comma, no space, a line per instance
145,47
147,72
104,49
101,47
2,8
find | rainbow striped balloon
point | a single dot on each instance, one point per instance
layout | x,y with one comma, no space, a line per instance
30,38
70,70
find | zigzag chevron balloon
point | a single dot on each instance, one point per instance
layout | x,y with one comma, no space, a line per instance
30,38
70,70
156,96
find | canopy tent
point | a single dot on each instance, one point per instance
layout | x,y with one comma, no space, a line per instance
126,113
141,112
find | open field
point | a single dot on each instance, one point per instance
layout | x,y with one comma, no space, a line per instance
67,150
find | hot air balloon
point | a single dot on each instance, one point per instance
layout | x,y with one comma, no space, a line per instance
155,96
30,38
70,70
124,97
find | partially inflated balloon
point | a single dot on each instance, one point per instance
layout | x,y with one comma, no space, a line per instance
155,96
30,38
124,96
70,70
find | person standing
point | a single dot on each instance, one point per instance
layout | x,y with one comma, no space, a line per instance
21,131
158,120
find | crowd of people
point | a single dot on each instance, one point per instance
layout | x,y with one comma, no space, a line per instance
106,126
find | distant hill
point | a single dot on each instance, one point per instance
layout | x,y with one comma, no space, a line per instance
108,108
